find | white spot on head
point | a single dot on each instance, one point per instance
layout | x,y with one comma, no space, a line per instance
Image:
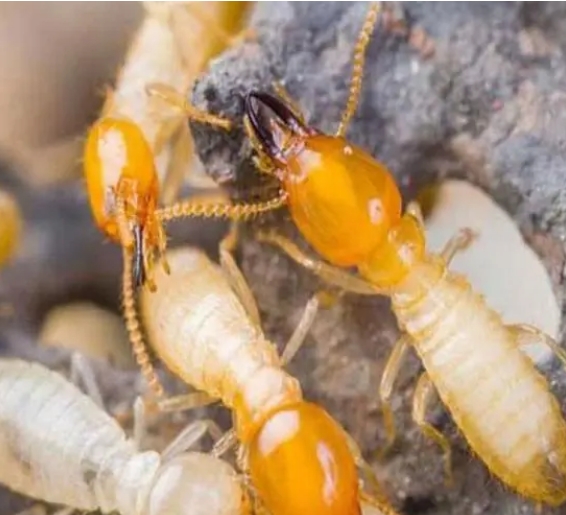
113,156
329,466
278,429
348,150
375,211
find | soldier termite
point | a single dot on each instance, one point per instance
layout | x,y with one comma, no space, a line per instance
204,324
59,446
348,207
120,155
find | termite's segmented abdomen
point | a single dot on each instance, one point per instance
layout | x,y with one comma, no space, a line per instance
500,402
80,454
200,330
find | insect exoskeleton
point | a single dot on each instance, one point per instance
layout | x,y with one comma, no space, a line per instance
134,151
500,402
171,48
10,226
298,457
59,446
122,186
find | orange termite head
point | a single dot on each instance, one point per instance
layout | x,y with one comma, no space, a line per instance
342,200
300,463
122,186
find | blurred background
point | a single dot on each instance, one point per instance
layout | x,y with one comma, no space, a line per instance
55,59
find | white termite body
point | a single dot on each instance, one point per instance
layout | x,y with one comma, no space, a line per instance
202,332
58,446
154,57
502,403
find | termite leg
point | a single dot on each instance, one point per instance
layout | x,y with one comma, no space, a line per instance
390,373
301,331
81,372
225,443
148,281
185,402
421,400
526,335
326,272
162,246
363,465
174,98
459,242
189,436
379,502
234,274
358,68
292,104
181,154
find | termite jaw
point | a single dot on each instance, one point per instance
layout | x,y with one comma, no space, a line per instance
274,125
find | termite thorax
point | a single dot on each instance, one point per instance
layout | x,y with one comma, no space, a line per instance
269,389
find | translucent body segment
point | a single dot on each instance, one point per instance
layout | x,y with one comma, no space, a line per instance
58,446
196,484
342,200
119,162
200,330
501,403
300,463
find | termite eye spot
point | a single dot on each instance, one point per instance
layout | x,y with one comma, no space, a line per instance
269,117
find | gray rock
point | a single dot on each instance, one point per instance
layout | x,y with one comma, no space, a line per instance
489,107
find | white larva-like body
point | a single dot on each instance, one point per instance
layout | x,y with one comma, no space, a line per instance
58,446
154,57
200,329
504,406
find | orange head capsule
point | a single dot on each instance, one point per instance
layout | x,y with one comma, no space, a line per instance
123,186
342,200
300,463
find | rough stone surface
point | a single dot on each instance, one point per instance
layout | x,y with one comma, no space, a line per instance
489,107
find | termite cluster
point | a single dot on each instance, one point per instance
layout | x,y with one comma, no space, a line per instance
200,318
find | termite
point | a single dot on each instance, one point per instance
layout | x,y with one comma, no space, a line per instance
10,226
349,209
59,446
120,155
203,323
171,48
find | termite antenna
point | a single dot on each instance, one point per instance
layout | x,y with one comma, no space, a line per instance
190,208
358,67
130,311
